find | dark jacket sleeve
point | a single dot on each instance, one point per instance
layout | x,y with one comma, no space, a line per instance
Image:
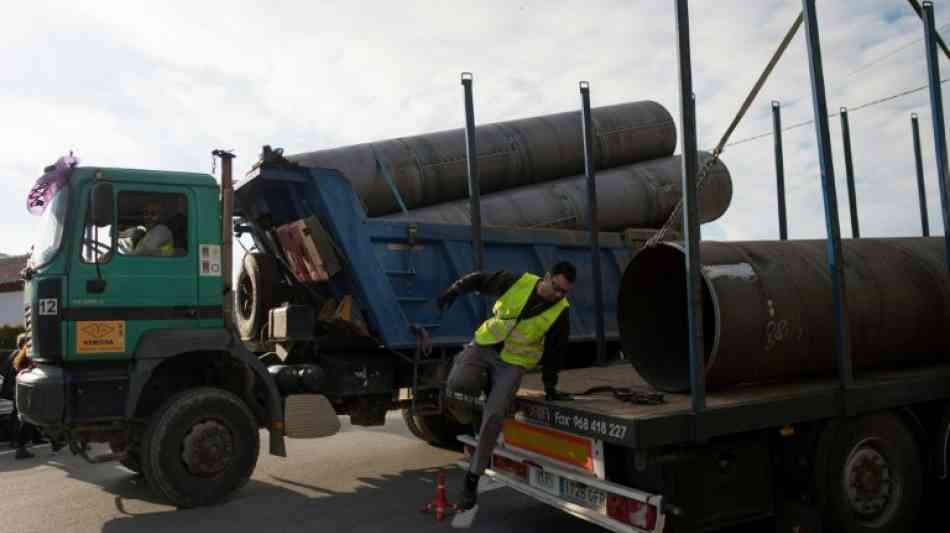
490,283
555,349
9,377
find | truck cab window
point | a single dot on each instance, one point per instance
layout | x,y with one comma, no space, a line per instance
97,242
152,224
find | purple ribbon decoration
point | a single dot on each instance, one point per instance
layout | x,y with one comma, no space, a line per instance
48,184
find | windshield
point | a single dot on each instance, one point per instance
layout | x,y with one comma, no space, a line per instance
50,231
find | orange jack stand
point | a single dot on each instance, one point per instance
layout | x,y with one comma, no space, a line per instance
439,504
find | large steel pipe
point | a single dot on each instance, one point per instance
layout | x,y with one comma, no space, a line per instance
430,169
634,196
768,311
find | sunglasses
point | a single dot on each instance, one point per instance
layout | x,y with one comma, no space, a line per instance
557,288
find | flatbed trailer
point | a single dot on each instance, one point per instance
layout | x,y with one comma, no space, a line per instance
747,408
854,452
750,455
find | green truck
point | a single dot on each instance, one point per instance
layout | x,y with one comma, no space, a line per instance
131,344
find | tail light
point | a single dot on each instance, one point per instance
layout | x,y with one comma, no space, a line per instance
632,512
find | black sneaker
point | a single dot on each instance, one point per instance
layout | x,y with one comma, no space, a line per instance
469,496
23,453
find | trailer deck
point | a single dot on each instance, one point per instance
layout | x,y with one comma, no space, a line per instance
739,409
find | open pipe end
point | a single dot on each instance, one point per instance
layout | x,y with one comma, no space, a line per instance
652,317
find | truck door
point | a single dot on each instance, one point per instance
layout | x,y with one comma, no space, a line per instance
138,275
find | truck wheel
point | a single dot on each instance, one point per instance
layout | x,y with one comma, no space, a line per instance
200,446
438,430
869,475
255,293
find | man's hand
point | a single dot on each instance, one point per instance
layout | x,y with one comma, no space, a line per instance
135,233
553,395
446,299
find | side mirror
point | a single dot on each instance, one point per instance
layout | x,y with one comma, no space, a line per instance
101,206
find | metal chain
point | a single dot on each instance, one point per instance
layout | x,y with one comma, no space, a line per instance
717,151
677,211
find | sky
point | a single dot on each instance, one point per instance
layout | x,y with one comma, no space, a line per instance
160,84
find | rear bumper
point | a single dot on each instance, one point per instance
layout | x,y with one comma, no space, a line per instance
40,395
512,456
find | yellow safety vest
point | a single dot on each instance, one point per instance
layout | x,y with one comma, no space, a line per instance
165,250
524,339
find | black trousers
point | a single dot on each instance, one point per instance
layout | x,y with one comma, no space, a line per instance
466,378
22,431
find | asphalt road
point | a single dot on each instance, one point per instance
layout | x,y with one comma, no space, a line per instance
362,479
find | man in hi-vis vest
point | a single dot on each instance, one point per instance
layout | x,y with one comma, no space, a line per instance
529,321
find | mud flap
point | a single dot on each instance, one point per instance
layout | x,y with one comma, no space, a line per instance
309,416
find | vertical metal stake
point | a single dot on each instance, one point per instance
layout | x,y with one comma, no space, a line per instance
849,172
474,195
936,109
586,124
835,253
779,169
920,13
694,308
921,189
227,234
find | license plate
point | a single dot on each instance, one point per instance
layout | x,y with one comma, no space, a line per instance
587,496
545,481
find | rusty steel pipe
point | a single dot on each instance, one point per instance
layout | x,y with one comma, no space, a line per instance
431,168
641,195
768,312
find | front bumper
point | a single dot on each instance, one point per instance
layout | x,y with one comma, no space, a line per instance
40,395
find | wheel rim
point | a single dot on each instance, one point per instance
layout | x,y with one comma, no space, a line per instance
871,484
208,448
245,296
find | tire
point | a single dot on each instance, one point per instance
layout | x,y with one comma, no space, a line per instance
203,420
869,475
438,430
254,293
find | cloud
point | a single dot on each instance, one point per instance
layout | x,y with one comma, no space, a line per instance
158,85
